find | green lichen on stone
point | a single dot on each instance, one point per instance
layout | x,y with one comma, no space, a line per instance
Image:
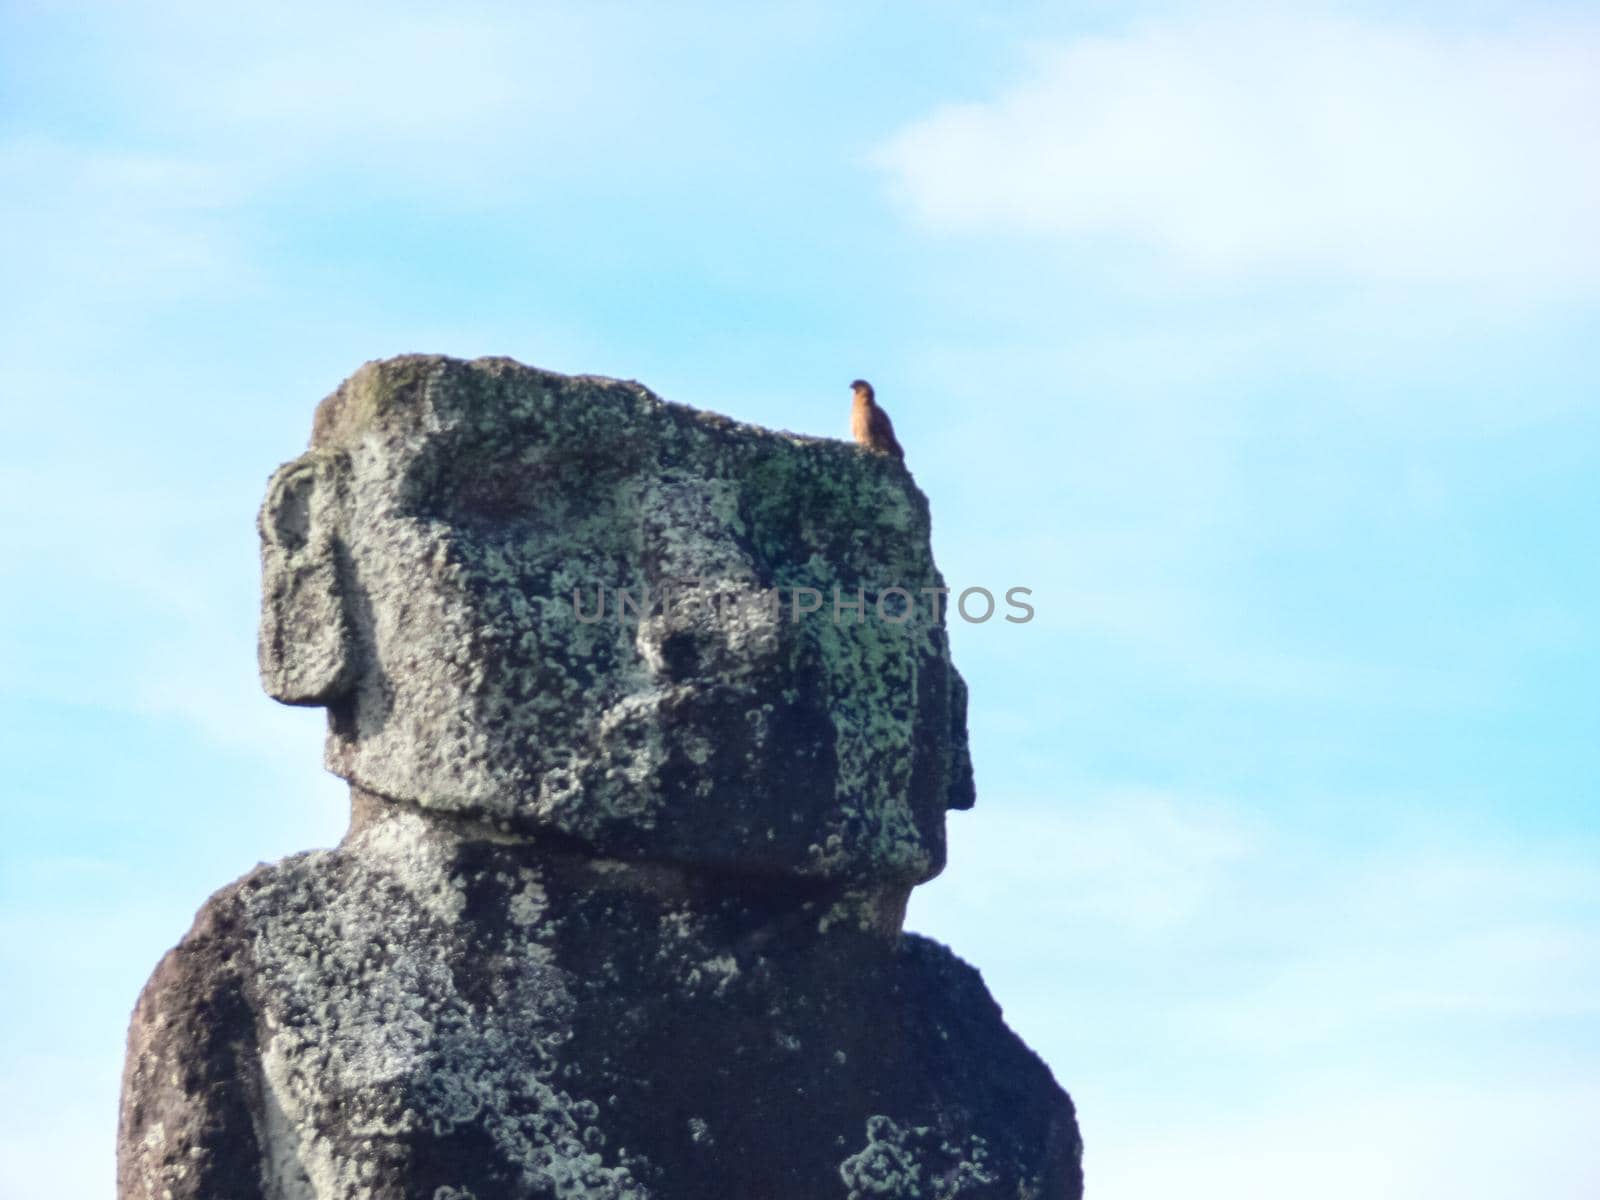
470,503
908,1163
619,915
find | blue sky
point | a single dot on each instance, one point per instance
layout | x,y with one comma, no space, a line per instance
1258,342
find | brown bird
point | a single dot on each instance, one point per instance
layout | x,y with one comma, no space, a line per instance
870,424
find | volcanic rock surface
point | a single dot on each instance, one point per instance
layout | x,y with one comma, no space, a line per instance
633,828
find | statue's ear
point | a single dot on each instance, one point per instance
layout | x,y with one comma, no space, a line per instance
306,650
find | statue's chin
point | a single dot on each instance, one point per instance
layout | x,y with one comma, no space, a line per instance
700,774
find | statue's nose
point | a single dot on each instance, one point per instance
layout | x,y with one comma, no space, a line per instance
712,628
714,616
691,528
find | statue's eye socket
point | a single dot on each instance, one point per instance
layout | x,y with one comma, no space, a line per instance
512,491
497,494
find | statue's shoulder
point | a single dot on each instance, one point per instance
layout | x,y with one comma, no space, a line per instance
191,1087
205,977
1003,1086
231,917
936,965
949,988
213,956
952,1001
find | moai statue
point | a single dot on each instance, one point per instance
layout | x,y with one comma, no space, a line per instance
650,728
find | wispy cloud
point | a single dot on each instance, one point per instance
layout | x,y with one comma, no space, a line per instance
1391,1139
1354,1013
1307,927
489,104
89,230
1354,148
1133,859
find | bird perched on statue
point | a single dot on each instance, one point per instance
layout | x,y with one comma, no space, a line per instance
870,424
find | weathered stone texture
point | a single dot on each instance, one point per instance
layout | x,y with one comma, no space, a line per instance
618,915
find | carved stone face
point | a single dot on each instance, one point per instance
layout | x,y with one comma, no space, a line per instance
421,567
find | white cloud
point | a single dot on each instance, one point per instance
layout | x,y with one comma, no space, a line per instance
86,230
485,104
461,105
1297,937
1243,1007
1134,859
1412,938
1387,1140
1357,149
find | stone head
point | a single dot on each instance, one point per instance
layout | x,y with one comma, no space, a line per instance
443,571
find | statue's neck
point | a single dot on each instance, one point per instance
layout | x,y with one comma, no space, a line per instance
753,904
